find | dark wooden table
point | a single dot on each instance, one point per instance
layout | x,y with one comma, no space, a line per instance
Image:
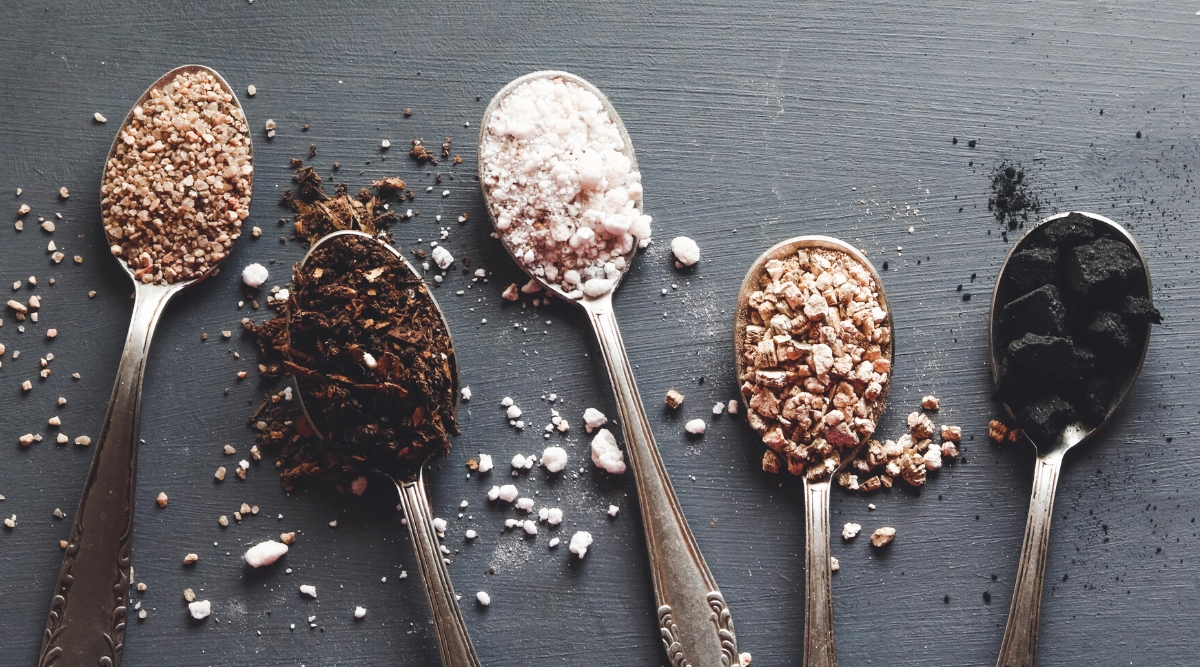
753,122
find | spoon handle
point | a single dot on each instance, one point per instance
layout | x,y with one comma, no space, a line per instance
819,647
86,625
453,642
696,626
1019,648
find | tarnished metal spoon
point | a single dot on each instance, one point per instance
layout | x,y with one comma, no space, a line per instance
695,623
454,644
819,647
1019,647
86,624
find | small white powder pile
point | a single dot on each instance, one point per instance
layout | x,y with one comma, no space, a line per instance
580,542
605,453
565,199
265,553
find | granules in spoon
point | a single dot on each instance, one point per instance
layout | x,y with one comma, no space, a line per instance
816,354
177,188
565,198
373,361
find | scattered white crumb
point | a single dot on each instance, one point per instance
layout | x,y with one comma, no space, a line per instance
483,598
508,493
200,609
850,530
360,612
732,407
525,504
265,553
442,257
718,408
254,275
493,493
553,542
359,485
506,401
554,459
485,462
580,542
613,509
593,419
606,454
99,119
530,527
471,534
695,426
834,564
685,250
513,412
310,591
439,525
466,393
518,462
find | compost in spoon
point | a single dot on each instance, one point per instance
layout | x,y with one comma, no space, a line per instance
562,188
813,351
1069,329
373,360
176,188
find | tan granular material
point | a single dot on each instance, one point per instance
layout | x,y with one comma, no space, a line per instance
178,188
816,353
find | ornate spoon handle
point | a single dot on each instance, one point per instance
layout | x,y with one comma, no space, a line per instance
453,642
86,625
819,648
697,629
1019,648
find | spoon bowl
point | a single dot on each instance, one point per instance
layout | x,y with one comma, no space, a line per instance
86,623
454,644
1019,646
694,621
819,647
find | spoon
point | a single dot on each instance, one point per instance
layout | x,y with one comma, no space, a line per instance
454,643
1019,647
819,647
694,621
86,624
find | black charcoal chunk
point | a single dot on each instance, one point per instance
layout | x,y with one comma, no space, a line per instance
1013,385
1102,268
1032,268
1139,310
1107,332
1052,358
1069,231
1045,419
1096,400
1040,312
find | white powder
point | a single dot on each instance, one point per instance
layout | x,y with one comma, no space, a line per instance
685,250
254,275
265,553
200,609
485,462
593,419
605,453
552,155
580,542
554,458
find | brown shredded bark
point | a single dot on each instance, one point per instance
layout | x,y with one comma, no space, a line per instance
373,361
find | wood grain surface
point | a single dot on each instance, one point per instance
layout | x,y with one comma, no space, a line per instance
752,122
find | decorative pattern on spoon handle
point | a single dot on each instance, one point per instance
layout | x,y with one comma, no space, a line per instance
1019,647
697,628
86,623
819,647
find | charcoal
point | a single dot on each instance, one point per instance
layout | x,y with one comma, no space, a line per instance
1096,400
1107,332
1045,419
1040,312
1069,231
1102,268
1032,268
1139,310
1013,385
1053,358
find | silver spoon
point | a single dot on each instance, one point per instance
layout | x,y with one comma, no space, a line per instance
695,623
819,647
454,644
86,624
1019,647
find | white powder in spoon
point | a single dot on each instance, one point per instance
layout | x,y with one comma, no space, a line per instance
565,199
